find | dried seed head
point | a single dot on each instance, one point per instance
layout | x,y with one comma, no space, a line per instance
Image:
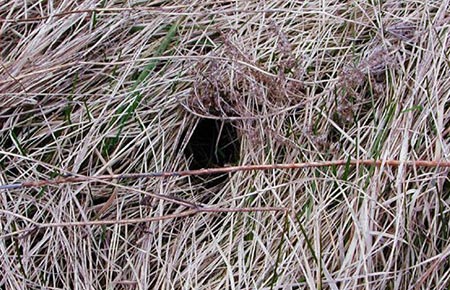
351,77
402,30
377,62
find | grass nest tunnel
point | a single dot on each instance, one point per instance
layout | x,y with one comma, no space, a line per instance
213,143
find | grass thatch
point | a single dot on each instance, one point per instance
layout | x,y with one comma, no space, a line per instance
97,87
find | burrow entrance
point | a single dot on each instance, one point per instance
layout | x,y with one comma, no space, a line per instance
214,143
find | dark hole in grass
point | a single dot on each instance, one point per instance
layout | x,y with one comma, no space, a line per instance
214,143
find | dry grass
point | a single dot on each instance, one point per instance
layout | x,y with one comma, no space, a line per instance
102,87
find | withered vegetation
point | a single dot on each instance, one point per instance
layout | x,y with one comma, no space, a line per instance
90,88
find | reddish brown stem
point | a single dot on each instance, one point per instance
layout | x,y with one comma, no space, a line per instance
229,169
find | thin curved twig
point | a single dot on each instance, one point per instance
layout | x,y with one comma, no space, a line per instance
186,213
